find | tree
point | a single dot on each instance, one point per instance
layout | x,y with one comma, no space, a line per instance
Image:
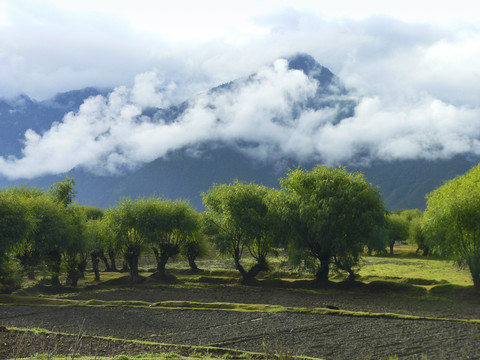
27,252
123,220
166,226
239,217
397,229
76,250
378,240
63,192
98,236
416,234
15,223
331,212
452,221
108,242
195,245
54,233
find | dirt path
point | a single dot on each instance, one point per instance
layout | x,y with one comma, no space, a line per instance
330,337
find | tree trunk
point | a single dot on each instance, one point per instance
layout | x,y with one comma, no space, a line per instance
133,266
192,264
240,268
392,244
55,263
162,258
476,281
72,278
321,277
425,251
260,266
102,256
113,265
82,267
95,262
351,275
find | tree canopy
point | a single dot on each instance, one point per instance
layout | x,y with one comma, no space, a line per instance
452,221
330,212
240,216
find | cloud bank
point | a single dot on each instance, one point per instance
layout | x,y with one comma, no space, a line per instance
416,82
264,116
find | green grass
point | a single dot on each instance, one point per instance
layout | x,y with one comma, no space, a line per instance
407,268
217,306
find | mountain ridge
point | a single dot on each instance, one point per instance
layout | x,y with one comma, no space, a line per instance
186,172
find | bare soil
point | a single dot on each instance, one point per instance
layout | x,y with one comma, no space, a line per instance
324,336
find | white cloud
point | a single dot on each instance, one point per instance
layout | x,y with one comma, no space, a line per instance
416,80
260,116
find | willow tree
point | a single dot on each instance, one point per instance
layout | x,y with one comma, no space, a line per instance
240,217
330,213
166,226
123,220
15,223
452,221
99,238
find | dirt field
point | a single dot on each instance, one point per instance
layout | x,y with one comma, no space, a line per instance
324,336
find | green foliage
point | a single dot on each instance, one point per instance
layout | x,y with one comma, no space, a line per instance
410,214
416,235
194,246
15,220
240,216
397,229
166,225
123,219
330,213
452,221
377,240
53,230
92,212
63,192
10,275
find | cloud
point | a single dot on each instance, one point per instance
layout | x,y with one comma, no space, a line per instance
415,85
264,116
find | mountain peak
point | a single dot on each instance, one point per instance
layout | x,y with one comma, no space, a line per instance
310,67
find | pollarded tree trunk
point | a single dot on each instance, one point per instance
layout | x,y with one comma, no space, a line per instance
162,254
192,264
82,267
72,277
476,278
102,256
162,259
133,266
95,261
131,256
321,278
241,269
113,265
260,266
55,260
426,250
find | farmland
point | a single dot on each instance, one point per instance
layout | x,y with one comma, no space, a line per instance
402,306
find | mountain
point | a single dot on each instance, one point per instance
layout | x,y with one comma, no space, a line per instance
22,113
186,172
